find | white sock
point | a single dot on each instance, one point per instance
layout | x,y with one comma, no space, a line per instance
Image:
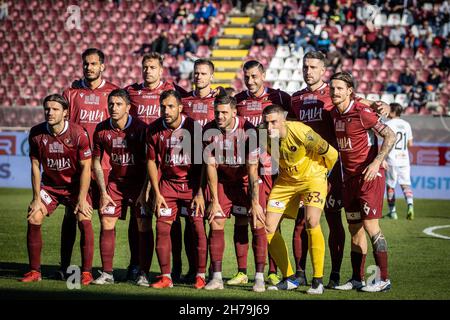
217,275
202,275
168,275
259,276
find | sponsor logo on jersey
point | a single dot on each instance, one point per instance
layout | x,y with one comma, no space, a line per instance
59,164
122,159
311,114
119,142
344,143
92,99
149,110
340,125
200,108
91,116
56,147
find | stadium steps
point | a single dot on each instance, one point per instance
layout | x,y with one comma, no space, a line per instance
231,49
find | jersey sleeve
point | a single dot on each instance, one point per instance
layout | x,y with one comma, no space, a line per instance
34,148
84,150
370,120
320,149
151,146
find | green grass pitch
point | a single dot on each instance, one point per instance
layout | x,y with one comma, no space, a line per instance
419,264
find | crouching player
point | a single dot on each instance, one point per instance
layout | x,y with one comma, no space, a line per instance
176,185
62,149
122,138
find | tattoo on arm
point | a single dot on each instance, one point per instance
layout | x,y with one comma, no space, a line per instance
253,183
388,142
99,175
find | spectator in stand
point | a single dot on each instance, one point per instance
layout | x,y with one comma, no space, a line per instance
260,35
348,13
332,29
334,58
188,44
161,44
207,11
325,13
187,66
302,35
163,14
270,15
323,43
434,78
312,14
207,33
396,36
287,35
407,80
285,12
183,16
351,47
417,97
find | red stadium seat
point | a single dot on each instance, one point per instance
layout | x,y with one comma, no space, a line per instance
407,53
435,53
393,53
360,64
399,64
395,76
363,87
367,76
374,64
381,75
376,87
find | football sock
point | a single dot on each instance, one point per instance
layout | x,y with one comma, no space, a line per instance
390,198
216,248
358,263
316,246
146,247
279,251
217,275
163,245
201,244
259,245
240,238
34,246
407,191
190,246
272,265
176,238
107,244
68,237
86,244
133,241
300,241
336,239
381,259
259,276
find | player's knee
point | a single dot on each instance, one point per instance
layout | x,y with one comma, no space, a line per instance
108,223
379,243
36,219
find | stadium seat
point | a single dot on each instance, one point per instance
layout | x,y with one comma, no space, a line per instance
401,99
271,75
407,53
363,87
276,63
374,64
392,53
394,19
376,87
400,64
283,52
298,53
293,86
387,97
297,75
279,85
367,76
394,76
380,20
290,63
285,75
360,95
360,64
373,97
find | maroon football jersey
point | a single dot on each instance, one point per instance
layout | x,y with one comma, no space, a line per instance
199,109
60,155
358,144
174,157
313,108
89,107
145,102
232,149
251,108
125,149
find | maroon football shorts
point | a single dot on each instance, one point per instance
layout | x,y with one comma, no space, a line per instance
178,196
334,200
52,197
124,196
363,200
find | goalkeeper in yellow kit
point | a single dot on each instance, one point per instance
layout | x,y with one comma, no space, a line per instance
304,161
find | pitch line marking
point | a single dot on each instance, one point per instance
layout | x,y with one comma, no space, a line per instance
430,231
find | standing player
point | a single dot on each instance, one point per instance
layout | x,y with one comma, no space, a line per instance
177,187
355,128
304,161
63,151
122,138
231,155
88,106
250,105
312,106
198,104
398,168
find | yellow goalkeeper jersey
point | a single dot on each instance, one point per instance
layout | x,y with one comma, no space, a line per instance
303,154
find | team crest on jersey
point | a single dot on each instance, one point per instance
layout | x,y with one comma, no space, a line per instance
139,92
200,107
293,148
68,142
310,99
